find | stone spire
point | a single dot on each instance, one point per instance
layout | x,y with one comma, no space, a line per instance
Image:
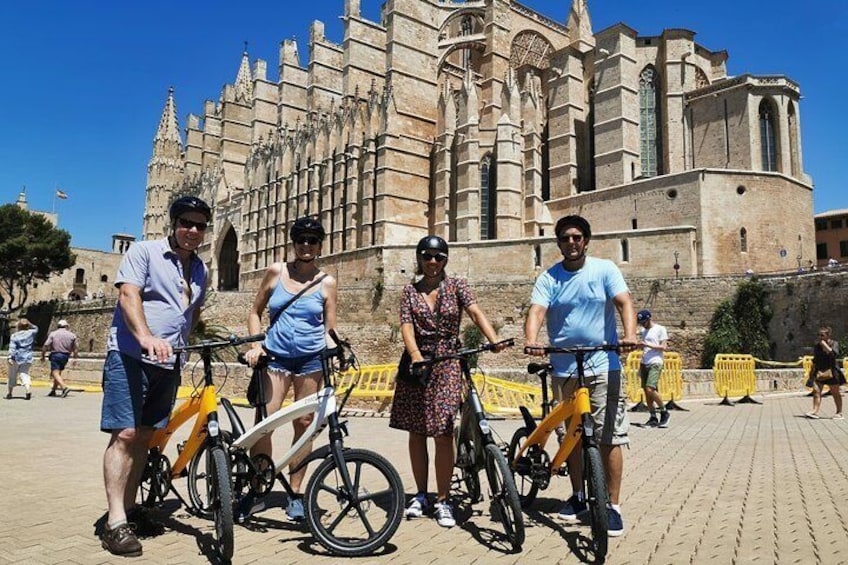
580,26
169,129
244,78
22,201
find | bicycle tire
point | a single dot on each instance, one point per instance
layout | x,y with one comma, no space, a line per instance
221,498
197,483
469,470
344,526
197,478
525,486
597,498
504,496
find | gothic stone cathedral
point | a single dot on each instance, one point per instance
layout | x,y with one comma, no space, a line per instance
483,122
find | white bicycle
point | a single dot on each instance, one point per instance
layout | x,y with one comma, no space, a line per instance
353,501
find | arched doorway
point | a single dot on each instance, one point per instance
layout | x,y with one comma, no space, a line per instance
228,265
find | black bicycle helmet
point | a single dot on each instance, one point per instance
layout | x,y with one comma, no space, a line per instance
643,315
190,204
575,221
306,225
432,243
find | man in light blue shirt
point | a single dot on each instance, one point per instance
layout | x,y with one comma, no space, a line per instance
162,285
578,298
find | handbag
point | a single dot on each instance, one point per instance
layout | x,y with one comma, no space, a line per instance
825,375
254,397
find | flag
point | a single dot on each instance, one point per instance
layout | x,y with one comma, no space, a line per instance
61,194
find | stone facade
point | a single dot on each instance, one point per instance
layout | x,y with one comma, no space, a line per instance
484,121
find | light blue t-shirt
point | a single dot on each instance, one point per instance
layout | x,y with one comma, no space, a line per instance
20,345
153,267
580,311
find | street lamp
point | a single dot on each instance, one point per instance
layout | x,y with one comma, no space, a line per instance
676,264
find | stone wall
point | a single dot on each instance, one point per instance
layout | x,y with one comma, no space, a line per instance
368,308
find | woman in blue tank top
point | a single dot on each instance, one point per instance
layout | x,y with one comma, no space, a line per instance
298,336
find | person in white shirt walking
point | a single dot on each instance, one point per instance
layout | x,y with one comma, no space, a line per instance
654,340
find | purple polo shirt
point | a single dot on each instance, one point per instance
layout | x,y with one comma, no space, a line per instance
154,268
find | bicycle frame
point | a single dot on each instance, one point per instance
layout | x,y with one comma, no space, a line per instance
579,404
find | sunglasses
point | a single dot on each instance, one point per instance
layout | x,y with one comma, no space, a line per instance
307,240
440,257
188,224
565,238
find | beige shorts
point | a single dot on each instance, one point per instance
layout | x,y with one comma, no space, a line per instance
612,432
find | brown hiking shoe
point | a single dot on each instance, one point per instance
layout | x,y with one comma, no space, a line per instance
121,541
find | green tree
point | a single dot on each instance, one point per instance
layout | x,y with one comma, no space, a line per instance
31,250
740,324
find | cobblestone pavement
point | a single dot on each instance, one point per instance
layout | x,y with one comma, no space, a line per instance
743,484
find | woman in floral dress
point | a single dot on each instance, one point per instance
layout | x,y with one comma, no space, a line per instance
430,315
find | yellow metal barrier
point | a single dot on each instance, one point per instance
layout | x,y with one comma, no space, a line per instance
734,376
670,385
375,381
503,397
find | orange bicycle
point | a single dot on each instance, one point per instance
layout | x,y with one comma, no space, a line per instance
207,445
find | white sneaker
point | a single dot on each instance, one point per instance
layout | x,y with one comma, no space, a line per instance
444,515
417,508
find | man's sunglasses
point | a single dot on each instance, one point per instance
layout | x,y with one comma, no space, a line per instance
307,240
440,257
576,238
188,224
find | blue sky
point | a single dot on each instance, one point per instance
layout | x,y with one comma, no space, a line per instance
85,82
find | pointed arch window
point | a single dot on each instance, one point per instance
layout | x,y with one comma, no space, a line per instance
487,198
649,138
743,240
768,137
793,141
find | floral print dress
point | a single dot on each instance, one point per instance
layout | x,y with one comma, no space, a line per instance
430,409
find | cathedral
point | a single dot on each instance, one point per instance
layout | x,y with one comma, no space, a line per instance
484,121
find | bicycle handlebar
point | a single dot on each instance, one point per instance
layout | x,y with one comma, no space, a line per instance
464,353
535,368
342,351
576,349
211,344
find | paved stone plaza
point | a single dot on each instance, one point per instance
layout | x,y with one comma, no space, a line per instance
747,484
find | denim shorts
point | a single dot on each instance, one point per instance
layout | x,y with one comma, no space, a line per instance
607,402
136,394
58,361
297,366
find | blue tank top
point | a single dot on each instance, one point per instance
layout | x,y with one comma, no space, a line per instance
300,328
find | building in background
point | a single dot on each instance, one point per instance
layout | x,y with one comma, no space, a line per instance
831,237
484,122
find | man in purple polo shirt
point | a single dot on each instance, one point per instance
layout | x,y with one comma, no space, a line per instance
61,343
162,285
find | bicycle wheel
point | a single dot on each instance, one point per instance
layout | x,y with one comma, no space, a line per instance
597,498
504,496
525,486
198,478
198,484
356,522
221,500
465,461
156,480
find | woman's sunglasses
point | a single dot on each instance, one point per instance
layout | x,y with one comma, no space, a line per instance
307,240
440,257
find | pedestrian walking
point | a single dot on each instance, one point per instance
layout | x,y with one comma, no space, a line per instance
654,342
20,357
825,371
61,344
